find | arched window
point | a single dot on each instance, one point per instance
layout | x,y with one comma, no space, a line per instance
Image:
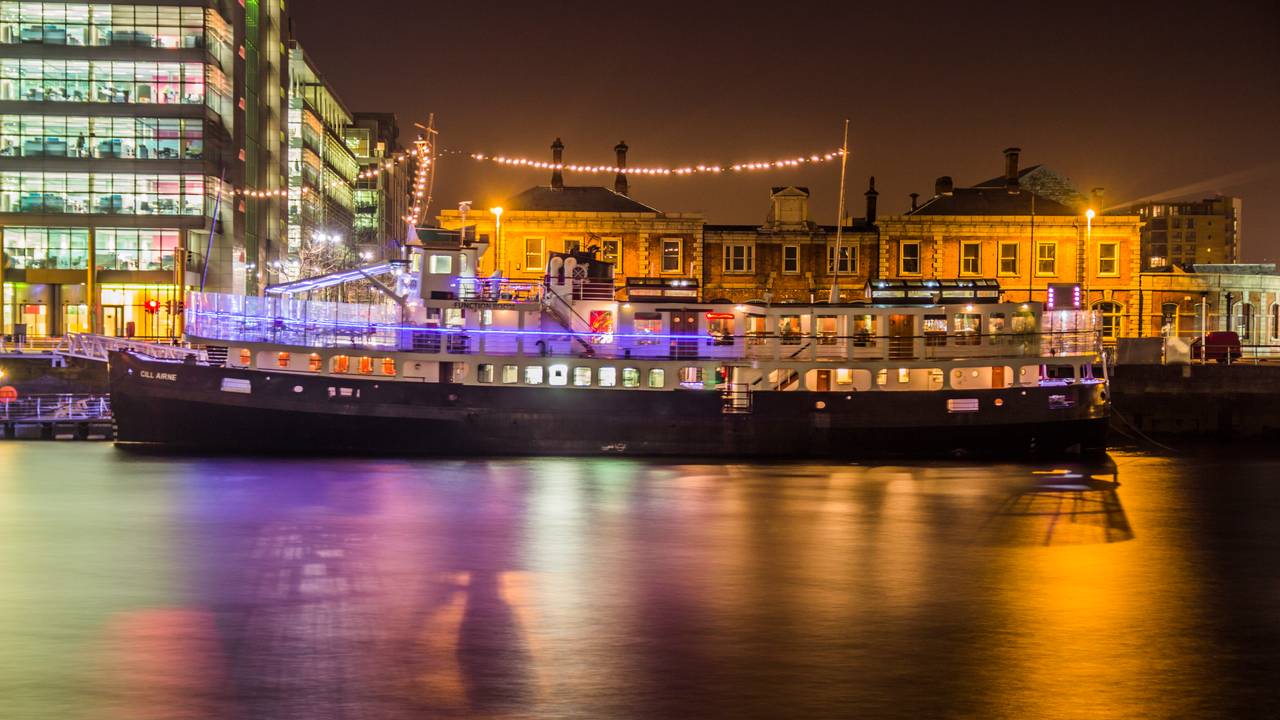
1169,319
1109,316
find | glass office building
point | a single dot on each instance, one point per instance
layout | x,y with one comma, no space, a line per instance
124,128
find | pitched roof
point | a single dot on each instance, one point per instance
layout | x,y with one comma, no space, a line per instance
991,201
544,198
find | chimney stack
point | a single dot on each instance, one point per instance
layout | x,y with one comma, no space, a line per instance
943,185
557,159
915,201
620,182
871,201
1011,169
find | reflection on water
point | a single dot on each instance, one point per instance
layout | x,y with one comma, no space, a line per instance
146,587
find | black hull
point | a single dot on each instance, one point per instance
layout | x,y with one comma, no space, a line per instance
167,405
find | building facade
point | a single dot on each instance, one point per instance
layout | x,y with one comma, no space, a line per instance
647,246
1185,301
1027,241
382,190
1206,232
125,128
322,174
790,258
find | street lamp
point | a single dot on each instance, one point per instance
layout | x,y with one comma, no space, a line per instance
497,236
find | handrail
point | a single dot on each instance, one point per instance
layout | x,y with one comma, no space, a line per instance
53,407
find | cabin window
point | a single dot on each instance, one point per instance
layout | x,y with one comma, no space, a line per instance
844,376
533,254
313,362
648,324
671,255
935,330
441,264
996,323
533,375
607,376
1008,258
739,258
486,317
756,330
340,364
388,366
630,377
559,375
582,377
484,373
864,330
904,376
282,359
720,328
882,377
1024,321
827,331
245,356
454,317
791,259
510,374
366,365
789,329
691,377
657,378
968,328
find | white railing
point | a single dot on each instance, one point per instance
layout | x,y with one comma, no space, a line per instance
51,408
97,347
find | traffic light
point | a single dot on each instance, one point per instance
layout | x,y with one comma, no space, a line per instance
152,305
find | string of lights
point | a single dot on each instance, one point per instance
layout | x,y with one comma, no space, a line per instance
422,156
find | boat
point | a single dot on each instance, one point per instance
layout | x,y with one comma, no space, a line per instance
452,363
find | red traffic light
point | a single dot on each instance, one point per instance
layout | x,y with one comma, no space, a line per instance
152,305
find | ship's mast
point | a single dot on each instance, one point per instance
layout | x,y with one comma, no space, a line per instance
835,274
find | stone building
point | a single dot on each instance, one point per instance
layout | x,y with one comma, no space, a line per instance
790,258
1011,230
648,247
1183,301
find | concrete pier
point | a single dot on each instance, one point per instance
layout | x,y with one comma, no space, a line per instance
1240,401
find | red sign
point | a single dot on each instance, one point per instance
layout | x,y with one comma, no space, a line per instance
8,393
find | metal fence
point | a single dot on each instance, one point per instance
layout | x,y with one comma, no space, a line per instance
54,408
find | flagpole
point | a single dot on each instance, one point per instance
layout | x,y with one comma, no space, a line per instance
835,265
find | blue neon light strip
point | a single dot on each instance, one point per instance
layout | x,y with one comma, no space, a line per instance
324,281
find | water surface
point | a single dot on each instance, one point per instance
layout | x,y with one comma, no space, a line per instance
135,587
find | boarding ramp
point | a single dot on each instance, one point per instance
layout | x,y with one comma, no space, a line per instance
99,347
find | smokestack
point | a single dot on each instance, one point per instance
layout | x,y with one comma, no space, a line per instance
871,201
557,158
1011,169
915,201
943,185
620,182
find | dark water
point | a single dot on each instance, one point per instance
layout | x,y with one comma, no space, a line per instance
156,588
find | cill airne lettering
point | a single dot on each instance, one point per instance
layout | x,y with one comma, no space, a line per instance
147,374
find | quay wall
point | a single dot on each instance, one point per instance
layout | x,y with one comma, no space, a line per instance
1225,402
38,375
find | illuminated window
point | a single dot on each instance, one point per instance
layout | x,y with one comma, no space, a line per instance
340,364
630,377
245,356
826,329
510,374
441,264
756,330
791,259
533,375
909,262
282,359
313,362
691,377
935,330
970,258
864,330
1046,259
657,378
789,329
904,376
484,373
582,377
672,261
388,366
366,365
648,324
607,376
559,375
844,376
968,328
1109,316
1108,259
1009,258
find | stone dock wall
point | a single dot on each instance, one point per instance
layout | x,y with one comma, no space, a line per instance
1240,401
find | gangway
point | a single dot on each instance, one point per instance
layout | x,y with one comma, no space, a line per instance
336,278
97,347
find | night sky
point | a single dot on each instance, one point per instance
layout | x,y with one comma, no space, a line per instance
1142,98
